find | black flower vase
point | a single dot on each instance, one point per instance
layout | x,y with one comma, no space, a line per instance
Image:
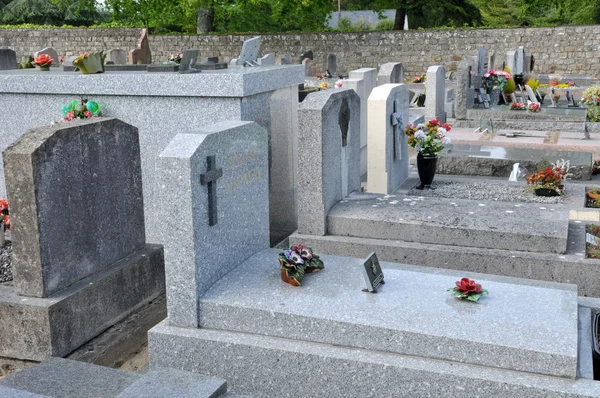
426,165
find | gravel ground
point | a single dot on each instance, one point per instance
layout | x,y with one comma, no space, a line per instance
483,191
5,263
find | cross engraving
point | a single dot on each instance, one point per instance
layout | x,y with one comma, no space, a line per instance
396,120
209,178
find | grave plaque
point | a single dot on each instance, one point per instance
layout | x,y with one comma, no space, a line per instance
249,52
373,273
188,61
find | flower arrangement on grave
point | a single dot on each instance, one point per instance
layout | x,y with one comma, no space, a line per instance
176,57
90,63
550,181
590,100
554,81
517,106
496,79
429,138
339,84
593,197
534,107
85,110
324,86
26,63
44,61
420,78
5,221
296,262
555,97
468,289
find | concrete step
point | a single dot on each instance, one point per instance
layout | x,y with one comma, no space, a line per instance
452,222
571,267
168,382
260,365
63,378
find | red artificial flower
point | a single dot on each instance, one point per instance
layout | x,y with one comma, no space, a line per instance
446,126
6,221
434,122
87,114
304,251
43,60
468,286
3,204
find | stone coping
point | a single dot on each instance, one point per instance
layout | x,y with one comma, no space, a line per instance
230,82
522,325
503,112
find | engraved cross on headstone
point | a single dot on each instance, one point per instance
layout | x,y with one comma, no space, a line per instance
209,178
396,120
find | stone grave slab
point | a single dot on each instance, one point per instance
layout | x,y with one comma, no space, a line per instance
522,325
310,69
436,93
456,222
8,59
225,195
481,60
498,161
388,146
390,72
266,60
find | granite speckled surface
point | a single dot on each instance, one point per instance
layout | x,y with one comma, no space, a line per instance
460,222
197,254
436,93
390,72
321,178
6,392
522,325
261,365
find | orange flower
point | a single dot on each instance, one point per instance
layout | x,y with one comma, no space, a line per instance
6,221
3,204
43,60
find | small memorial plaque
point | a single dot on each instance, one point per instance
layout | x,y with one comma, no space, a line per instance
373,273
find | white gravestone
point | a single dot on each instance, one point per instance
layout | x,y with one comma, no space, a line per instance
369,76
388,145
217,179
391,72
531,94
435,88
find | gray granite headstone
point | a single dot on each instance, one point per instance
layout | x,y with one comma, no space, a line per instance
511,61
521,55
268,59
435,87
51,52
328,155
118,56
8,59
491,60
531,94
481,58
68,61
391,72
310,69
249,53
236,185
188,61
369,77
332,64
75,192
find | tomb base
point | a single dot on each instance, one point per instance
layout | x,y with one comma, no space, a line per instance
39,328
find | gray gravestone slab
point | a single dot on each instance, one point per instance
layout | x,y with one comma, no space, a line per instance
51,52
7,392
391,72
521,55
287,60
332,64
198,254
117,56
531,94
388,145
435,87
188,61
68,62
141,54
511,61
249,53
481,58
8,59
491,60
92,171
369,76
328,155
266,60
310,69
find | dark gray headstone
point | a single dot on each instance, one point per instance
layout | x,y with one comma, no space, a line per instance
332,64
75,191
211,60
8,59
481,60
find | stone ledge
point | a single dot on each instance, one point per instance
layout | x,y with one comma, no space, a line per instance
37,329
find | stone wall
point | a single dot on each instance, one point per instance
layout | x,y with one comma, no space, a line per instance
566,49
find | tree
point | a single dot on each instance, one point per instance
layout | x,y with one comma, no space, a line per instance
41,12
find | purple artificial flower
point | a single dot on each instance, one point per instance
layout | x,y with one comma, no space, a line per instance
293,256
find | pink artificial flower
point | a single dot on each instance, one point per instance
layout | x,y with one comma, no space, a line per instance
87,114
339,84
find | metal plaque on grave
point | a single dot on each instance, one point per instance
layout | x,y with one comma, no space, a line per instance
209,178
373,273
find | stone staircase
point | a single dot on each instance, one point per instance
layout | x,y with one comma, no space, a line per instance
63,378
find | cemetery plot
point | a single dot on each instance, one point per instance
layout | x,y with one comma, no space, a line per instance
592,241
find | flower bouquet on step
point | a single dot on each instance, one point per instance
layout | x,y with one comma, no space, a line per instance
534,107
517,106
297,261
468,289
85,110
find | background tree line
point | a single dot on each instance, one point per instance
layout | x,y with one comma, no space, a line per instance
296,15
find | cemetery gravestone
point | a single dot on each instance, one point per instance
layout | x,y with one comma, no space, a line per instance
249,53
511,61
68,61
388,146
117,56
369,76
237,157
521,61
464,90
372,273
436,89
332,65
51,53
391,72
266,60
90,266
492,60
328,155
8,59
287,60
188,61
142,54
481,59
310,69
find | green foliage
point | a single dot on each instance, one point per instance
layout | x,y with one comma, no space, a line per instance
593,113
533,83
31,11
344,24
361,26
592,91
386,24
510,86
